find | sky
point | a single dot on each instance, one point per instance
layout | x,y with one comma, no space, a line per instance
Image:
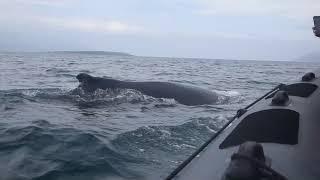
218,29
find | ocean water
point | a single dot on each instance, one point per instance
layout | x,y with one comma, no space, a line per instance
49,129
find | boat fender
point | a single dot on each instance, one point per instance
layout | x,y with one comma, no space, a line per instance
281,98
308,76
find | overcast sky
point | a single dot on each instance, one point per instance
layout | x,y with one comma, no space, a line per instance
230,29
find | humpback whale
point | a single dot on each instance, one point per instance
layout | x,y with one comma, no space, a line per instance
187,95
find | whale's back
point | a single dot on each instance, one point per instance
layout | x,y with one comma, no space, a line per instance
188,95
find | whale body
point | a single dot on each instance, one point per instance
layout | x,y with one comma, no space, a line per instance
187,95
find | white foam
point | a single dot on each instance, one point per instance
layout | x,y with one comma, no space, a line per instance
230,93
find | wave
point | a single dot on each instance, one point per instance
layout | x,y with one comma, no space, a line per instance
254,82
42,150
228,97
10,98
57,70
170,138
172,143
60,72
45,151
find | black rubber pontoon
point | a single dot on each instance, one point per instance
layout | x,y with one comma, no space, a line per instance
282,126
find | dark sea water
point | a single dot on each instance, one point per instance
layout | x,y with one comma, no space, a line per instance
51,130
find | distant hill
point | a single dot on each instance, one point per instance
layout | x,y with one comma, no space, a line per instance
95,53
312,57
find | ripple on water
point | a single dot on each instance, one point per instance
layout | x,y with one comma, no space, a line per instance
169,142
45,151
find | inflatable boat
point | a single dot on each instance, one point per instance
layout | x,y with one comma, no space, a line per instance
277,137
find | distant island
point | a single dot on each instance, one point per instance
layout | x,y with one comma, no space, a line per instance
111,53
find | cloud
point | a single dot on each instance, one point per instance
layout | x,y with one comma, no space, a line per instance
289,8
88,25
166,26
53,14
50,3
